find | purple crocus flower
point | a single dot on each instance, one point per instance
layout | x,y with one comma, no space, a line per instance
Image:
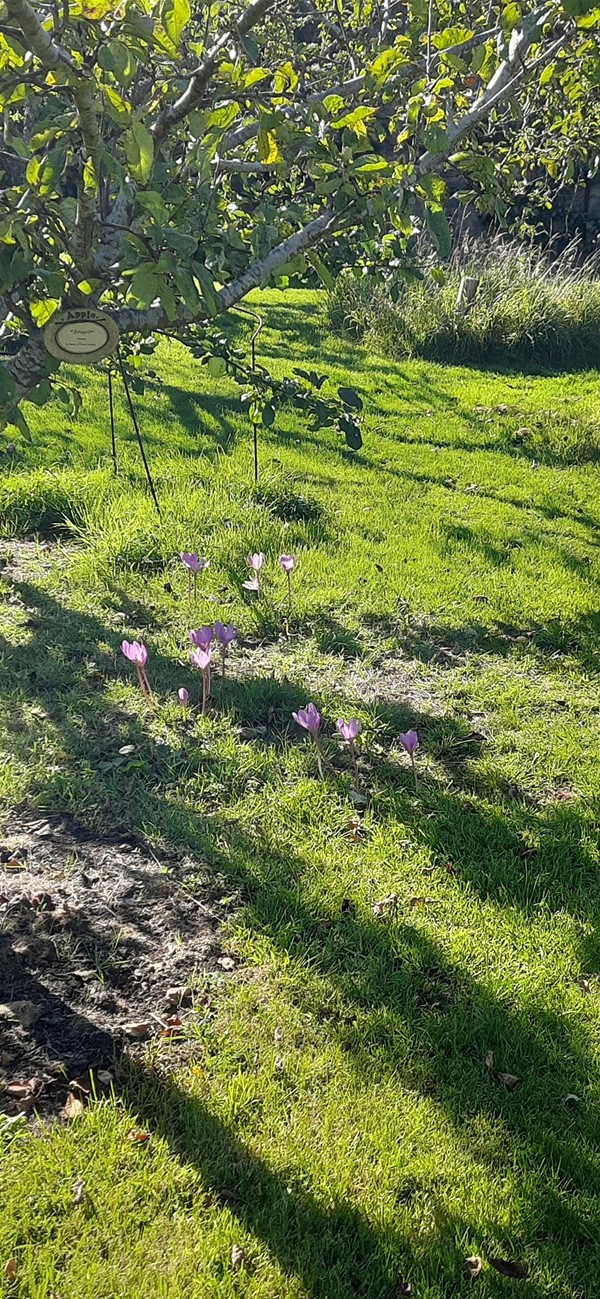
135,652
201,659
349,731
183,696
194,566
256,562
410,741
287,563
202,638
224,635
309,719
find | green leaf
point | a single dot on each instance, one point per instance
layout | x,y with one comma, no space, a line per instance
350,398
119,110
348,426
323,273
174,16
40,395
139,150
386,63
255,75
355,121
17,419
8,386
268,148
547,74
144,286
178,240
207,288
439,230
268,415
43,310
285,78
451,36
250,46
222,117
578,7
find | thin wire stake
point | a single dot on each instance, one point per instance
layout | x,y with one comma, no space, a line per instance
112,421
137,433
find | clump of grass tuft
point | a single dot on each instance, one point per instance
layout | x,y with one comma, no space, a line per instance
527,309
49,504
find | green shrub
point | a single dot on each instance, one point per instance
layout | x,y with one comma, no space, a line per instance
526,309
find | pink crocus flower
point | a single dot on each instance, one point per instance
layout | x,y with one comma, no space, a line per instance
135,652
410,742
349,731
201,659
287,563
183,697
194,566
202,638
310,720
225,635
256,562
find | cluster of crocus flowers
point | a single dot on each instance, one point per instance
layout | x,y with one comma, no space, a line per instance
194,565
135,652
255,563
410,742
201,655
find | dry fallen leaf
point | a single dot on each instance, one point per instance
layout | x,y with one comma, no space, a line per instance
105,1077
226,962
238,1256
11,1269
584,984
516,1270
509,1079
489,1060
571,1098
404,1287
73,1107
78,1193
138,1136
473,1265
173,1025
137,1031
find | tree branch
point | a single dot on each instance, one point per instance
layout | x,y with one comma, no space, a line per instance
510,72
198,83
53,56
149,319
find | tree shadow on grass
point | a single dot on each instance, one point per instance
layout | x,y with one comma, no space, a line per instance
384,989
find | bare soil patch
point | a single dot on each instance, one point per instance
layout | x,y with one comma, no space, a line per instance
102,946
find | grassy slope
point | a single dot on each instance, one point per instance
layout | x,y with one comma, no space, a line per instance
339,1120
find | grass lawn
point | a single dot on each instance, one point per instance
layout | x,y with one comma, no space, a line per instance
345,1109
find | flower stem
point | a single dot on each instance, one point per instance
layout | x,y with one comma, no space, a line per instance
412,759
203,692
143,680
289,578
223,657
355,764
195,588
319,757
